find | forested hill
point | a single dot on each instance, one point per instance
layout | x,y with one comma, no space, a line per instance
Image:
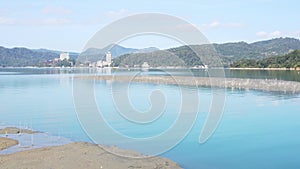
24,57
35,57
179,56
228,52
291,60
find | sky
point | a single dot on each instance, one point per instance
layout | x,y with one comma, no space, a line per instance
67,25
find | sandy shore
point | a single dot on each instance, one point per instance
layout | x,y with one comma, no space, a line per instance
76,156
7,142
14,130
79,156
270,85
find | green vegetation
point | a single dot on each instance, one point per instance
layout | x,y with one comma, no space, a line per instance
291,60
23,57
19,57
229,53
181,56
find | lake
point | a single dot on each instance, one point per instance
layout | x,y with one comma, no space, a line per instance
258,129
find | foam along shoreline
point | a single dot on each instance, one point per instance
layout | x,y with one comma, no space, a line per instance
270,85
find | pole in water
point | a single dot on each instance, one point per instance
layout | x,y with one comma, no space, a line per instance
31,140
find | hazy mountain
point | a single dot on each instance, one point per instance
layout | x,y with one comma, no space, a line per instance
73,55
228,52
258,50
33,57
291,60
23,57
94,54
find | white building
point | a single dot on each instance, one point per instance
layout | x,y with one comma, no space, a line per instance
108,58
99,63
145,65
64,56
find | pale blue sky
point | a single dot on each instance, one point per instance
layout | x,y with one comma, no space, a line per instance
68,25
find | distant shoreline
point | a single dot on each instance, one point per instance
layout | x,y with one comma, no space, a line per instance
248,68
162,68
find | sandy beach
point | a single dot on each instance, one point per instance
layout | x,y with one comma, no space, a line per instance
15,130
76,155
7,142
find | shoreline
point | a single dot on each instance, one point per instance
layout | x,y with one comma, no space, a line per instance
80,155
249,68
163,68
269,85
75,155
7,142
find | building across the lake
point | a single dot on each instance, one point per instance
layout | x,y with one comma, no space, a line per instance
108,58
145,65
64,56
103,63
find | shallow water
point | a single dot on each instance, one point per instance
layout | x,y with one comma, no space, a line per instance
258,129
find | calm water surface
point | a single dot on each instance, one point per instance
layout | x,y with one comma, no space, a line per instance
258,129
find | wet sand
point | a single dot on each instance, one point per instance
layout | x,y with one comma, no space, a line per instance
15,130
7,142
75,155
81,155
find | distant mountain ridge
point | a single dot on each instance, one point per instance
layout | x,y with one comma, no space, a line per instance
20,56
258,50
228,52
23,57
290,60
94,54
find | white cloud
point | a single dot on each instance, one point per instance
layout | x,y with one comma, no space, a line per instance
216,24
56,10
6,21
275,33
264,34
117,14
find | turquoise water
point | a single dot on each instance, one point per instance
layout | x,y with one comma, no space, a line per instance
258,129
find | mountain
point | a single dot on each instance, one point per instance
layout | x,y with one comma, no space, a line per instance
23,57
94,54
34,57
179,56
291,60
228,52
258,50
